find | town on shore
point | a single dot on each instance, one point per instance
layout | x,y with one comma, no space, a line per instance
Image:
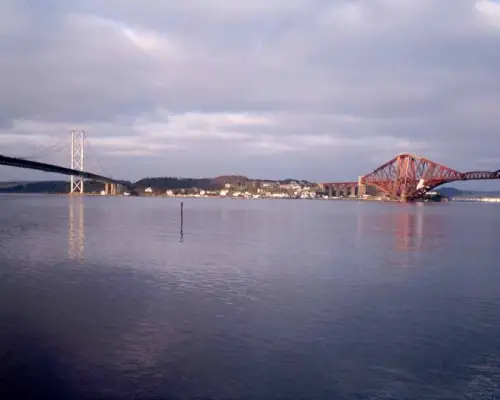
239,187
292,190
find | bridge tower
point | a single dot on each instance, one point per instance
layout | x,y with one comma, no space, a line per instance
77,158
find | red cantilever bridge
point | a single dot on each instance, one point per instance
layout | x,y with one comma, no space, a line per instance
407,177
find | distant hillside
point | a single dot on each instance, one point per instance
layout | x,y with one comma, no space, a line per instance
453,192
238,181
7,185
156,183
171,183
220,181
36,187
449,192
175,183
46,187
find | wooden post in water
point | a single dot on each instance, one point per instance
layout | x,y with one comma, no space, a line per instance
182,218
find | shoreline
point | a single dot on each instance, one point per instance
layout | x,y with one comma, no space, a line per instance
186,196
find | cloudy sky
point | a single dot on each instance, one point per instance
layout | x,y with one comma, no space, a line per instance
315,89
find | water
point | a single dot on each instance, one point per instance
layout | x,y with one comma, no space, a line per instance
103,298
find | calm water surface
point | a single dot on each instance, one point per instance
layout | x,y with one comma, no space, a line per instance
103,298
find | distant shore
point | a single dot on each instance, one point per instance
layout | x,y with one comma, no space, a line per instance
485,199
190,196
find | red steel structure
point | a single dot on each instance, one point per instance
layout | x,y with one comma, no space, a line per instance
408,177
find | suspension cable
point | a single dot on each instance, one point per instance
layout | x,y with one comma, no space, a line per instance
54,148
94,155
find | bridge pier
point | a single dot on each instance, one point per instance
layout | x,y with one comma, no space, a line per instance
361,187
335,190
343,190
111,189
346,189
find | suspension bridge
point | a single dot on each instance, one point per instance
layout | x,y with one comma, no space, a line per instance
76,171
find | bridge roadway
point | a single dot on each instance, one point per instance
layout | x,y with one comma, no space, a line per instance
35,165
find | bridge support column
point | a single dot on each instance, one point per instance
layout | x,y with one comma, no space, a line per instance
330,189
361,187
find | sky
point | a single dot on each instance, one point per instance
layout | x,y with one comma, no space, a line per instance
324,90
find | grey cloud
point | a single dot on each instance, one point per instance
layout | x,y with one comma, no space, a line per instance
375,76
76,69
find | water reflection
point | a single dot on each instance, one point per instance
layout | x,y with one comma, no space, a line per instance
422,228
405,231
76,234
408,229
360,223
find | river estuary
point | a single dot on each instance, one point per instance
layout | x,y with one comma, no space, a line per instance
257,299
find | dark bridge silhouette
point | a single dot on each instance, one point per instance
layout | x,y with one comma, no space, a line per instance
35,165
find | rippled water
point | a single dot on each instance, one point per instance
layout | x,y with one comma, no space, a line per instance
103,298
